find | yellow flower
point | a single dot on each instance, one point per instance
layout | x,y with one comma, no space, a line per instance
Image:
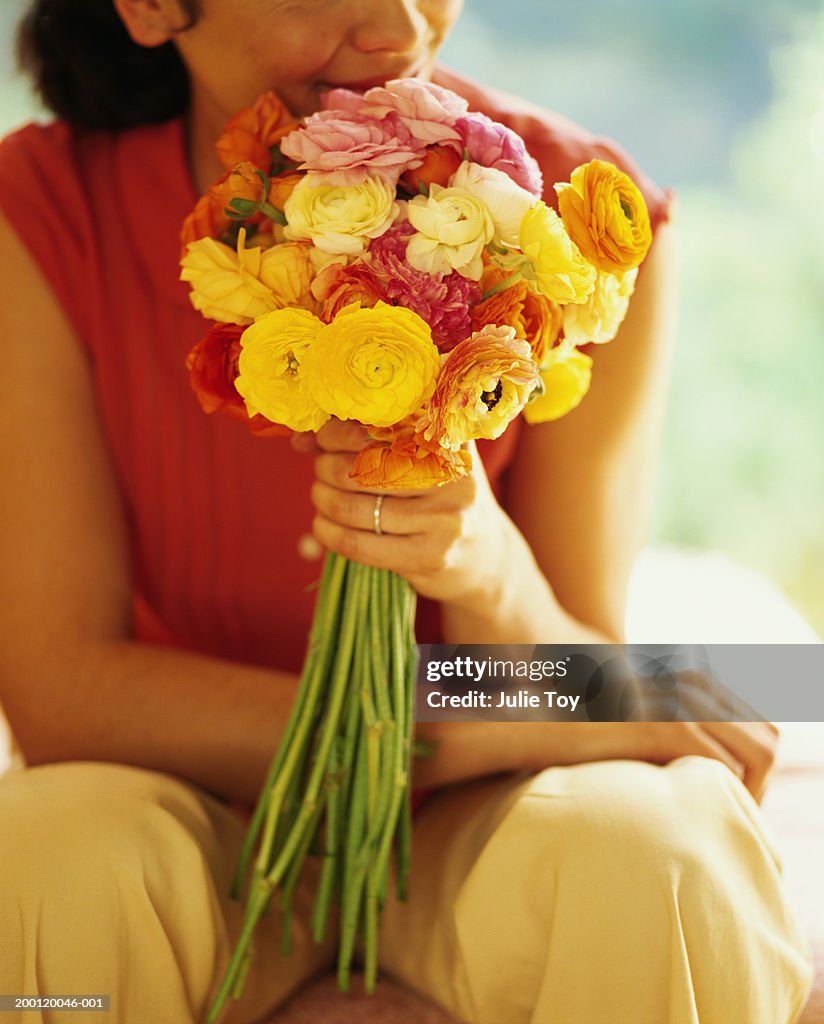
374,365
340,219
483,385
598,319
565,377
271,379
452,229
606,216
288,271
559,270
238,287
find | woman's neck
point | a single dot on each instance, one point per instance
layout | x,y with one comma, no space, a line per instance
205,122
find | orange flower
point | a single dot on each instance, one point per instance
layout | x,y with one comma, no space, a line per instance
439,164
606,216
252,132
281,187
209,218
241,182
339,285
407,465
205,221
484,383
213,369
532,316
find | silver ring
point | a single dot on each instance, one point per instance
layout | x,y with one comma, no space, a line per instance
376,514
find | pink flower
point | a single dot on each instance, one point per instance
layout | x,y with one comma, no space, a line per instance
347,147
494,145
427,110
443,301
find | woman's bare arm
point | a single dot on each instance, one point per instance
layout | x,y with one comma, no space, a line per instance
578,492
72,682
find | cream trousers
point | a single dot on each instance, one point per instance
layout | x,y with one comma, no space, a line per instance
607,893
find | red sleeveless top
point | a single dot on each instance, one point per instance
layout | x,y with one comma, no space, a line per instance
219,519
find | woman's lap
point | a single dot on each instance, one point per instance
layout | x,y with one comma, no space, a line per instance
608,893
118,879
598,894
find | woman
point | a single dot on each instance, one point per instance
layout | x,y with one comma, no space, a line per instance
153,611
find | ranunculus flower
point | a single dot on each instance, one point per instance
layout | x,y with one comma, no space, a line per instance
281,186
598,319
443,301
606,216
507,202
427,110
339,285
337,219
347,148
407,465
439,164
238,287
484,383
213,369
565,379
494,145
452,227
286,269
251,133
209,217
559,269
271,379
240,183
533,316
205,221
374,365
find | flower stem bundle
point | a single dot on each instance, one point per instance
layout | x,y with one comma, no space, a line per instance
337,787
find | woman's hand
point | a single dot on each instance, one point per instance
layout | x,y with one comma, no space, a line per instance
449,542
748,749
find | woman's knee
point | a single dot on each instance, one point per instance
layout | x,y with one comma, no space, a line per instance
625,848
103,863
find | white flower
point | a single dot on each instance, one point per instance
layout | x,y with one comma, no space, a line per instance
507,202
339,219
452,229
598,319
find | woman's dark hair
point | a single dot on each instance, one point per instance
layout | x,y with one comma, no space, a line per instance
86,69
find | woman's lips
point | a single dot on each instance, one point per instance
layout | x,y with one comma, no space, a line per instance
371,83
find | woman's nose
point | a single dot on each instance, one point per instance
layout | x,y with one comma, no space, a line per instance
396,26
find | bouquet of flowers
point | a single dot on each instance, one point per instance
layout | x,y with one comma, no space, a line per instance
388,260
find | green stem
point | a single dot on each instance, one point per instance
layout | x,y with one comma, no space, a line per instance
502,286
350,897
330,603
337,692
292,876
257,904
323,897
329,594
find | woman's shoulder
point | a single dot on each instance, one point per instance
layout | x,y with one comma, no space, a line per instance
557,143
59,149
80,201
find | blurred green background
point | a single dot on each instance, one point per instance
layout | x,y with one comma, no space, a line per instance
724,101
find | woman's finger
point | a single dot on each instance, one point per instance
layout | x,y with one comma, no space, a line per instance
357,510
753,744
682,739
342,436
401,554
305,442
